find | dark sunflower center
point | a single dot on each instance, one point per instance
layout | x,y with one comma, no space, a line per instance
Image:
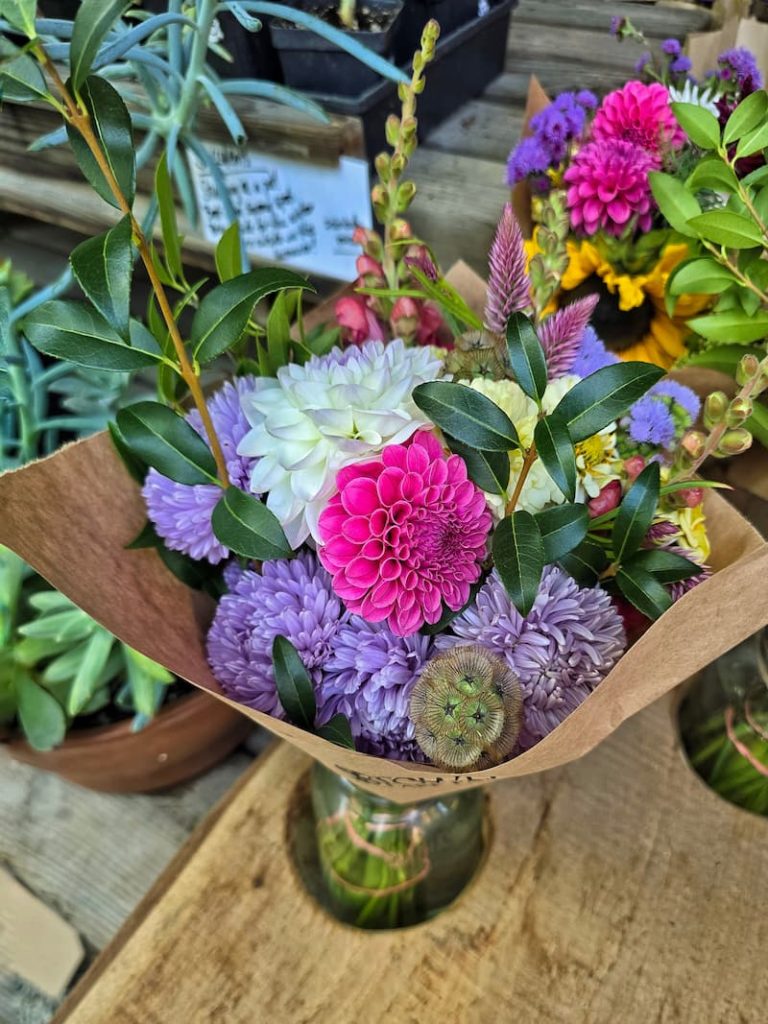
618,329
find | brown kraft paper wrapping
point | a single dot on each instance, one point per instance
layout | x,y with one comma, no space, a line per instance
71,515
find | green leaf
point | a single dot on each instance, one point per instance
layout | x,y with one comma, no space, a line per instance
722,357
21,80
518,554
526,356
228,256
41,716
294,687
712,173
62,626
164,440
224,312
703,276
563,528
247,527
665,566
103,267
555,449
747,116
86,680
93,21
636,512
144,677
585,562
701,127
643,591
338,731
21,15
756,177
489,470
135,467
467,415
727,228
76,332
753,143
733,325
602,397
676,203
111,123
757,424
279,331
167,209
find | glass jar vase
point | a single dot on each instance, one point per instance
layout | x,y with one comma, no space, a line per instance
387,865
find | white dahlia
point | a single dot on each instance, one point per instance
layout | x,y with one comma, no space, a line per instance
335,410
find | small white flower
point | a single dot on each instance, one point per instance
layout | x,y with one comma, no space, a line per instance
700,95
335,410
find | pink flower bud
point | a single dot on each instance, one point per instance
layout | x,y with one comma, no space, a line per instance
358,323
690,497
405,318
430,322
607,500
367,266
634,466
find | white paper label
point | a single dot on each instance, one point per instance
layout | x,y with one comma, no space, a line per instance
292,213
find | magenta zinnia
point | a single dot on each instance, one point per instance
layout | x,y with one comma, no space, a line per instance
405,534
640,114
608,187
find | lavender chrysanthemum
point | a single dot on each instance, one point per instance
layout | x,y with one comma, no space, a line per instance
651,422
181,513
508,283
592,355
561,650
369,678
562,332
289,597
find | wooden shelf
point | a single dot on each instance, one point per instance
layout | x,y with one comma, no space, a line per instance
618,890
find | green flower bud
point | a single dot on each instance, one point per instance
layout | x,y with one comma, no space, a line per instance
392,129
715,409
734,442
693,443
466,708
379,195
748,368
405,193
739,410
382,164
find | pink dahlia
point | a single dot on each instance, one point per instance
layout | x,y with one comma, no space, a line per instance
405,534
641,114
608,186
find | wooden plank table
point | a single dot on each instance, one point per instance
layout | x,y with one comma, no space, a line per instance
617,890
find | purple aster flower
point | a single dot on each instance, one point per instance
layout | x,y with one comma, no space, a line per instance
289,597
679,394
181,513
642,63
592,355
651,422
528,158
680,65
671,47
586,99
369,678
740,65
565,646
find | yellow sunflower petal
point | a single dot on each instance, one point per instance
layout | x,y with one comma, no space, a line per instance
583,262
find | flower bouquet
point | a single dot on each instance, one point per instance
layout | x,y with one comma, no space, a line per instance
428,568
586,190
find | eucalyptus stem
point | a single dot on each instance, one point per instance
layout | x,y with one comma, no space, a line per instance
78,116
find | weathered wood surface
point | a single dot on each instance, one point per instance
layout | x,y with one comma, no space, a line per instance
617,889
566,44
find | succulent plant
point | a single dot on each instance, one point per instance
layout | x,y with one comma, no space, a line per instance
467,709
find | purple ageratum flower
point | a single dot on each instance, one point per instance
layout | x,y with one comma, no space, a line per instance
586,99
671,47
289,597
527,159
651,422
680,394
181,513
739,64
369,678
592,355
680,65
552,130
561,650
642,63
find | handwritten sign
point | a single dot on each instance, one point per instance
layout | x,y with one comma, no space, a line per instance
292,213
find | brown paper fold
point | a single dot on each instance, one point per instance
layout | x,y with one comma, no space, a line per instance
536,101
71,515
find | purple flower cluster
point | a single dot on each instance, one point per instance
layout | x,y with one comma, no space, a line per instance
739,67
678,63
561,650
592,355
661,417
553,129
181,513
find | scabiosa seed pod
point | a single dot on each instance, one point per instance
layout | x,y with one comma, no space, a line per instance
466,709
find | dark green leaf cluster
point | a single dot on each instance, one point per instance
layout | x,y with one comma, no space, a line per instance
297,695
523,543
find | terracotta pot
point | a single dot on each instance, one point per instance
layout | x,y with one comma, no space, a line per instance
187,738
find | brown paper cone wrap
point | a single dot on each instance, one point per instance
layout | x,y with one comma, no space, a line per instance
536,101
71,515
704,47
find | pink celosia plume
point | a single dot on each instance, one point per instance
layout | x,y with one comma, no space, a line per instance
561,333
405,534
508,282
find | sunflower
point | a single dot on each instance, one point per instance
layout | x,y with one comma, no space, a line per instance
631,317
